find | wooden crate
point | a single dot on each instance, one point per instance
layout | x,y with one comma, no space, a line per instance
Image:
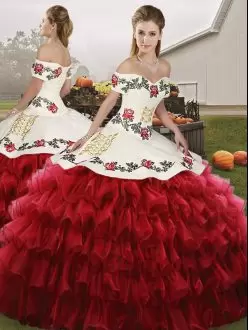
175,104
193,133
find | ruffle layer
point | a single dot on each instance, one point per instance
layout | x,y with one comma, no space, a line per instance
14,174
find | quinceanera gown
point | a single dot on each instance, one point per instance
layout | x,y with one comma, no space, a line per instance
125,233
44,128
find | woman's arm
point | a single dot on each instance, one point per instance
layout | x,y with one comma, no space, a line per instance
66,88
102,113
162,114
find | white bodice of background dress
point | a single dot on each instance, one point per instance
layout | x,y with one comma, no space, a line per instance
54,76
46,125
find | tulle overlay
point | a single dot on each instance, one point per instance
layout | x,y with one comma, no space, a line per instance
14,173
91,252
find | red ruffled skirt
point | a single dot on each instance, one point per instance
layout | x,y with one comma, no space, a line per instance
91,252
14,173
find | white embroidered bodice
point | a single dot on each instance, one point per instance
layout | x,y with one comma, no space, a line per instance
46,125
140,98
54,76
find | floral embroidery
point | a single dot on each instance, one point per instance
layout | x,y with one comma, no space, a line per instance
98,144
50,105
110,166
70,158
128,167
40,143
139,83
54,143
10,147
22,125
114,80
40,69
164,87
188,162
153,91
53,108
126,120
145,133
134,83
57,72
147,163
128,114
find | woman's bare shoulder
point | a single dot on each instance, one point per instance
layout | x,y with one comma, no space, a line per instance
165,67
127,66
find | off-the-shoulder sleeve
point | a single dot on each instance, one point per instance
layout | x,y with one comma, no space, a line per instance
119,83
39,70
69,73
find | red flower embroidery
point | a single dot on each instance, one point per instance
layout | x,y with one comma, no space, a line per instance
128,114
144,133
110,166
188,160
153,90
57,72
40,143
53,108
147,163
10,147
114,80
70,143
38,68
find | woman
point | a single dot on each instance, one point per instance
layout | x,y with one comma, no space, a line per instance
126,231
31,134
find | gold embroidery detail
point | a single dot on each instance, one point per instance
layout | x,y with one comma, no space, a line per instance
146,115
22,125
99,144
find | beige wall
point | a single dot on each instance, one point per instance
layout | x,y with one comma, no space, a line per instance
218,63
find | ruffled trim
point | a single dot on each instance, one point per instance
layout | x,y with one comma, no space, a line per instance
92,252
14,173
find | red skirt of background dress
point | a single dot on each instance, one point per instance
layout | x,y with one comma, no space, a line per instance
14,173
